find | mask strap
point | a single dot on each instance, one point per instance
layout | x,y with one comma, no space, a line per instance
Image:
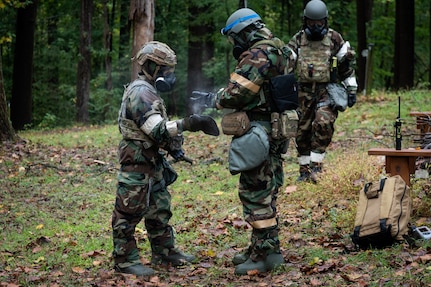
156,71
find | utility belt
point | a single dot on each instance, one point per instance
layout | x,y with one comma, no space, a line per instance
262,117
135,167
282,125
312,87
169,174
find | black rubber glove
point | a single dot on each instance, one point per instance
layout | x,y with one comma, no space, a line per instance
351,100
175,147
196,123
177,154
200,101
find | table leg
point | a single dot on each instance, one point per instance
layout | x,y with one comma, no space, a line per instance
400,165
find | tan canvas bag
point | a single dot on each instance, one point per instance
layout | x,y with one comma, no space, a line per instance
383,213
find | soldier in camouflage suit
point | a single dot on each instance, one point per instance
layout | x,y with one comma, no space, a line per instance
259,58
318,49
145,173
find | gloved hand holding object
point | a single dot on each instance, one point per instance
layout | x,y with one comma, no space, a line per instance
176,151
196,123
351,100
175,147
202,100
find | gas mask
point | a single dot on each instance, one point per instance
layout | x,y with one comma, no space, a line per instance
237,51
315,29
239,45
165,80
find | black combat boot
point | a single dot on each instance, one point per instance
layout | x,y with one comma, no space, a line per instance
304,173
164,252
265,252
173,257
242,256
130,262
137,269
269,263
316,170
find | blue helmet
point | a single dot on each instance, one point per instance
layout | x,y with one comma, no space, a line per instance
239,20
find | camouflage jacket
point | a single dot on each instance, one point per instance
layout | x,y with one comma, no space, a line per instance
138,148
248,87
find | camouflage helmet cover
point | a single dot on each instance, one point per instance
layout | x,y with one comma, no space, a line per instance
158,52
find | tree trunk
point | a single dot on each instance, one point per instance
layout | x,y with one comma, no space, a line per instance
124,28
363,16
200,50
84,64
107,33
404,44
7,133
21,101
142,13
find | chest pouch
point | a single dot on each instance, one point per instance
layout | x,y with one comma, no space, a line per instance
284,93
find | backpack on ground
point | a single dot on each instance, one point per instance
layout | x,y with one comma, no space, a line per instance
383,213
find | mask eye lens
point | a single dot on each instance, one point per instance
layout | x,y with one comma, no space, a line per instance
312,23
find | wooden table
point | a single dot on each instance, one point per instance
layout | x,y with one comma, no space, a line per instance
402,161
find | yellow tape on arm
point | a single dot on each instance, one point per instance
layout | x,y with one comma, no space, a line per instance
246,83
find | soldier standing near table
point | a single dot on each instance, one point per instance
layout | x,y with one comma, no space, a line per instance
321,57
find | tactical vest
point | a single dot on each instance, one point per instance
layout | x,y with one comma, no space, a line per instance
128,128
314,59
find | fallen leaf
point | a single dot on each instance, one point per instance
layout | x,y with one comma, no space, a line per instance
78,270
290,189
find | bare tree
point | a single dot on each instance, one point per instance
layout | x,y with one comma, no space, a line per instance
142,13
84,63
124,28
363,16
7,133
429,67
107,35
404,44
21,101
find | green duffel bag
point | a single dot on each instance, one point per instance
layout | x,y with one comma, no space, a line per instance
249,150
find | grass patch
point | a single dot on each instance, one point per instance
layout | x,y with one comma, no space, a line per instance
58,190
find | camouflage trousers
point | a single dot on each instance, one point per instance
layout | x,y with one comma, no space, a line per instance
258,189
132,204
316,123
